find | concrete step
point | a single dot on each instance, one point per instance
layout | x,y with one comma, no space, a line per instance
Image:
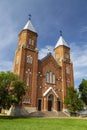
47,114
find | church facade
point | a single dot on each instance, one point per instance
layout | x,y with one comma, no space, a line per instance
47,79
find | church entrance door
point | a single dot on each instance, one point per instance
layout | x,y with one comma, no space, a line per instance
50,102
59,105
39,105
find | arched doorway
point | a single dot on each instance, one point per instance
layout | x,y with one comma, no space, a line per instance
50,102
39,104
59,105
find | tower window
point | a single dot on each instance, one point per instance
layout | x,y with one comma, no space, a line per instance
66,55
32,42
57,56
29,59
67,70
29,40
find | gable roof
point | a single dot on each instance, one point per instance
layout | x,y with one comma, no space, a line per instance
49,54
49,57
48,90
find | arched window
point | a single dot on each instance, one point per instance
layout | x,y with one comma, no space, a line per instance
29,41
32,42
53,78
29,59
67,70
47,77
50,77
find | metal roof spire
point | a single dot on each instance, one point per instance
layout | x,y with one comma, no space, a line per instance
29,25
61,41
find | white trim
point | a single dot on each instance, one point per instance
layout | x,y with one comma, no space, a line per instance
48,90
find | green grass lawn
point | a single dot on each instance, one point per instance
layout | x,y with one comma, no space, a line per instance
43,124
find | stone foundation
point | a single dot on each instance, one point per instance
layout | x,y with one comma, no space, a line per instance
20,111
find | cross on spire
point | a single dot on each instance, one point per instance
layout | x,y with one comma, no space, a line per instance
29,16
60,33
48,50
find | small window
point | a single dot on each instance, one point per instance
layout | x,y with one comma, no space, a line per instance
26,100
29,59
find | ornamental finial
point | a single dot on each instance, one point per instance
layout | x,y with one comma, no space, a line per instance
29,16
60,33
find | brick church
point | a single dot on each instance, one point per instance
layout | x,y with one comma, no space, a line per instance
46,79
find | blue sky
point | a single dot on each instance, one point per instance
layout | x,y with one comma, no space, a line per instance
48,18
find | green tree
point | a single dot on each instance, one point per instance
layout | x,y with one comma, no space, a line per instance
19,90
72,100
83,90
9,89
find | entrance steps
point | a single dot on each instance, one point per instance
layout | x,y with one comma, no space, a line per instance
48,114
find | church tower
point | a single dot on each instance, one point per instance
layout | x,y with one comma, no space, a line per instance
26,63
62,56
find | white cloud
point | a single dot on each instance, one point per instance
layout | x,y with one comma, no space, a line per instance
44,51
79,58
83,29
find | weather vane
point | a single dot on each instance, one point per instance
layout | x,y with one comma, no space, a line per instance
29,16
60,33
